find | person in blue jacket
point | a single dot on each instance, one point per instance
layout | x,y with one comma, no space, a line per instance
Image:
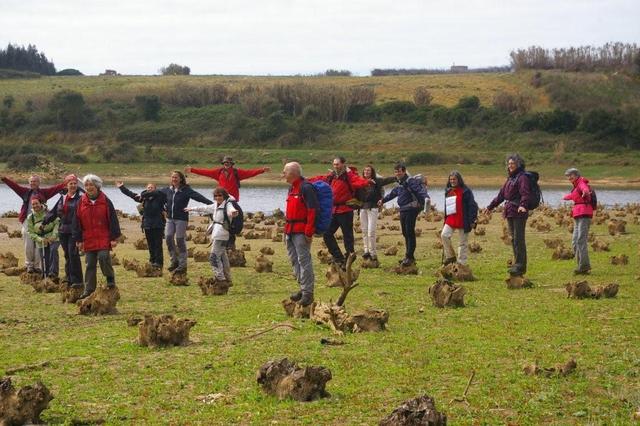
178,195
412,196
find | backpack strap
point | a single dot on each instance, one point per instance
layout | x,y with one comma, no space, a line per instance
237,175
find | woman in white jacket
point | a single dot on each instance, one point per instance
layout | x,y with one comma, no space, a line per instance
219,231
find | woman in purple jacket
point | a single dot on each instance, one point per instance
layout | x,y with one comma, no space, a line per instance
516,193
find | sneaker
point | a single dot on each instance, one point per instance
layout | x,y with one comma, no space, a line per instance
515,272
307,299
366,256
449,260
407,262
582,271
296,296
173,266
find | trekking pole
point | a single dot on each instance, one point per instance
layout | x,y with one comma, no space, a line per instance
44,262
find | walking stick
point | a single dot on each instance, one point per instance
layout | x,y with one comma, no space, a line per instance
44,262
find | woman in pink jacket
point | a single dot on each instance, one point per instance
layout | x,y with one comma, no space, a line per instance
582,213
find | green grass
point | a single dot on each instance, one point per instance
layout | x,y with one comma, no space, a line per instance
98,372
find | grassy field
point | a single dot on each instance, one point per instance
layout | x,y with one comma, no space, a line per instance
98,373
446,89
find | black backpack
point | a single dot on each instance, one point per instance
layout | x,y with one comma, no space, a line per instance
237,223
536,192
594,198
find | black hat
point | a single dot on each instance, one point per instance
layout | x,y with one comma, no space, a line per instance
228,159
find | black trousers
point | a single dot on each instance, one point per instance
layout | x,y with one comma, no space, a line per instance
344,221
517,226
155,237
231,242
72,263
408,225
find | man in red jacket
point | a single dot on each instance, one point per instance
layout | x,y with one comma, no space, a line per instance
344,184
26,193
228,176
300,215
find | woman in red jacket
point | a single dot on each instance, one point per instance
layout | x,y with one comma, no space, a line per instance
96,231
582,213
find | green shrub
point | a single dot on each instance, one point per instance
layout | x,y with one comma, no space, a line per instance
559,121
69,110
469,103
24,162
149,132
398,107
121,153
149,107
69,71
426,158
364,113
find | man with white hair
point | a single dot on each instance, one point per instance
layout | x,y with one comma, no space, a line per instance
584,202
300,216
96,231
26,193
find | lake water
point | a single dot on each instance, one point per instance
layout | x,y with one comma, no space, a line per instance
267,199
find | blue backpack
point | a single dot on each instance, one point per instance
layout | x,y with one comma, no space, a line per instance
325,206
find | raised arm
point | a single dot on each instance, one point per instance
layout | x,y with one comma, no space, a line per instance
18,189
249,173
212,173
129,193
52,190
357,181
196,196
390,196
497,200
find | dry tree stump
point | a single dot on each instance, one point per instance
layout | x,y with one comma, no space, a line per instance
246,247
557,370
285,379
296,310
411,269
148,271
8,260
200,256
617,226
370,263
391,251
71,294
445,293
480,231
370,320
455,272
416,412
598,245
267,251
213,287
340,321
46,285
130,264
114,260
263,264
552,243
30,278
582,290
24,405
179,279
621,259
15,234
3,228
141,244
101,302
518,282
475,247
14,271
343,278
201,238
236,257
164,330
190,251
324,256
562,253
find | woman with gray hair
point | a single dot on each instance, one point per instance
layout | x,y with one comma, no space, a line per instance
96,231
584,203
516,192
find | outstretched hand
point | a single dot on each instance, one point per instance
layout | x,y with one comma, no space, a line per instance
522,210
187,169
266,169
119,183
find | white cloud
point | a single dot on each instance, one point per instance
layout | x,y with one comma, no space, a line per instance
283,37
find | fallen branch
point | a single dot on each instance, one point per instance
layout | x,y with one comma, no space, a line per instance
30,367
466,389
260,333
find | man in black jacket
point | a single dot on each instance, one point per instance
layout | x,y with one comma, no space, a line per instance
153,212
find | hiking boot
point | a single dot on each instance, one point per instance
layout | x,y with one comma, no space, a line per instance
374,258
84,295
366,256
180,270
296,296
407,262
582,271
111,282
173,266
31,269
515,272
77,285
307,299
449,260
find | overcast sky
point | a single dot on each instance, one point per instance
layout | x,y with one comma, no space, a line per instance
291,37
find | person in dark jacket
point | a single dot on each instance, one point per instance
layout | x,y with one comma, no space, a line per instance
65,209
178,196
344,183
516,192
412,197
153,204
461,213
96,231
26,193
369,196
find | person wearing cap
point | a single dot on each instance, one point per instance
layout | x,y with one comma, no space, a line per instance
229,177
44,236
64,211
582,212
25,193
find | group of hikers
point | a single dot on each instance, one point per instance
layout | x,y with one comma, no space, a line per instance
85,220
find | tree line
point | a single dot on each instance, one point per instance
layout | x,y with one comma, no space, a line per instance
26,59
609,57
